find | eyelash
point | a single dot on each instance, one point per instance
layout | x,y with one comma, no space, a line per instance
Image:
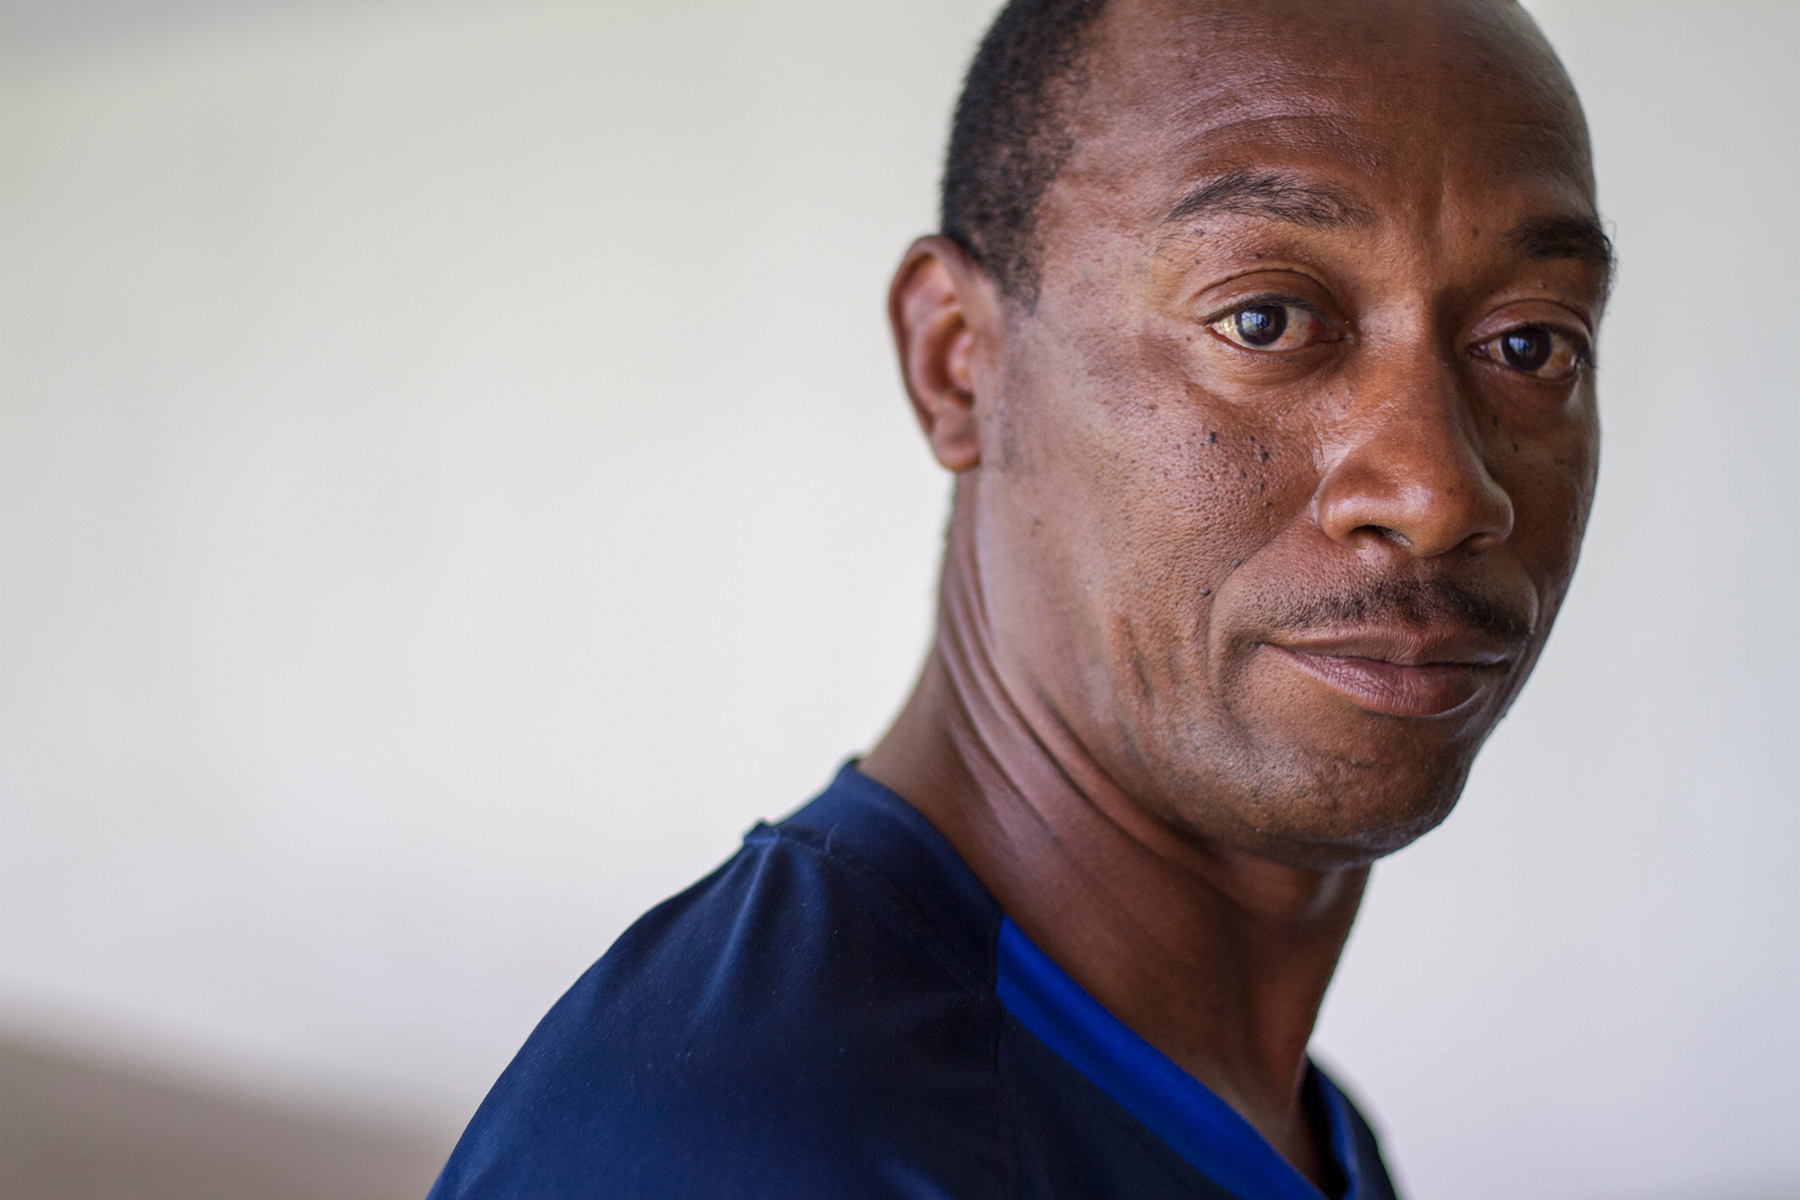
1574,347
1283,303
1577,349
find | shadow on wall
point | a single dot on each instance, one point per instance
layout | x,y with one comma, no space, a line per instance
73,1128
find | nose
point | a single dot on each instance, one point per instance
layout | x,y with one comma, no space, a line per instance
1409,468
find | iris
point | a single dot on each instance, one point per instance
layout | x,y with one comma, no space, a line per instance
1262,326
1526,349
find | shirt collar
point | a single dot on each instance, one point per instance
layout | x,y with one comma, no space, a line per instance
1199,1126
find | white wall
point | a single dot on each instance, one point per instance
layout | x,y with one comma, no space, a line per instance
452,481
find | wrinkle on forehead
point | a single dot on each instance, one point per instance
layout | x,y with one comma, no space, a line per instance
1173,81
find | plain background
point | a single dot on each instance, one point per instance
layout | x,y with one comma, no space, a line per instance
453,481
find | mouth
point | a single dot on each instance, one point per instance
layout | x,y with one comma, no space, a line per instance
1398,673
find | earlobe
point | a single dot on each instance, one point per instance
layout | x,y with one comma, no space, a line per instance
937,323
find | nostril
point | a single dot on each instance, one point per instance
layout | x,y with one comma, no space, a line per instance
1383,533
1481,543
1380,498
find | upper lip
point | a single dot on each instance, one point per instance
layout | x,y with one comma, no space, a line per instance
1402,646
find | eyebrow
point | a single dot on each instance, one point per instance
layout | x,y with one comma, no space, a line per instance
1578,237
1280,196
1274,195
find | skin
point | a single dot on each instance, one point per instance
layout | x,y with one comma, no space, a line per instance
1221,623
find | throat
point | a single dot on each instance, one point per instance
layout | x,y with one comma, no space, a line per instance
1217,960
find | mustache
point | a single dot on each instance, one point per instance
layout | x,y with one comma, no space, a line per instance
1411,602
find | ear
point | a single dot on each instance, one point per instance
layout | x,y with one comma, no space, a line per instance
946,318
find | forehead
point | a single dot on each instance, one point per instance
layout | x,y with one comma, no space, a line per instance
1403,104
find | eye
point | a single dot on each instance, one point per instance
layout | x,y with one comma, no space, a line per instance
1273,325
1538,350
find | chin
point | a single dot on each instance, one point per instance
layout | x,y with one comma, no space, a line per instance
1360,817
1318,850
1324,812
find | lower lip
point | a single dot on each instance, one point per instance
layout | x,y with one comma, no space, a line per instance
1394,690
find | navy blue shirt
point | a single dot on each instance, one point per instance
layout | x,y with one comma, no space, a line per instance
842,1010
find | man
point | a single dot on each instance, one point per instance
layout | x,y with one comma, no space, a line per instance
1260,338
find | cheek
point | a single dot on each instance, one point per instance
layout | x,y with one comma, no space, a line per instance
1122,500
1551,481
1175,496
1167,472
1172,498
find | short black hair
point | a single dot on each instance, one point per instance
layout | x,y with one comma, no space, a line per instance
1012,134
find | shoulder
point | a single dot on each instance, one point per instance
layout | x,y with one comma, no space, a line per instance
1358,1146
794,1024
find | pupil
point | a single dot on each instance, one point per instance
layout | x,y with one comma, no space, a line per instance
1526,349
1261,326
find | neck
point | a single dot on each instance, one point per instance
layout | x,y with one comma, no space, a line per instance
1214,956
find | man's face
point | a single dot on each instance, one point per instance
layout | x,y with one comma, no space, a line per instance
1284,476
